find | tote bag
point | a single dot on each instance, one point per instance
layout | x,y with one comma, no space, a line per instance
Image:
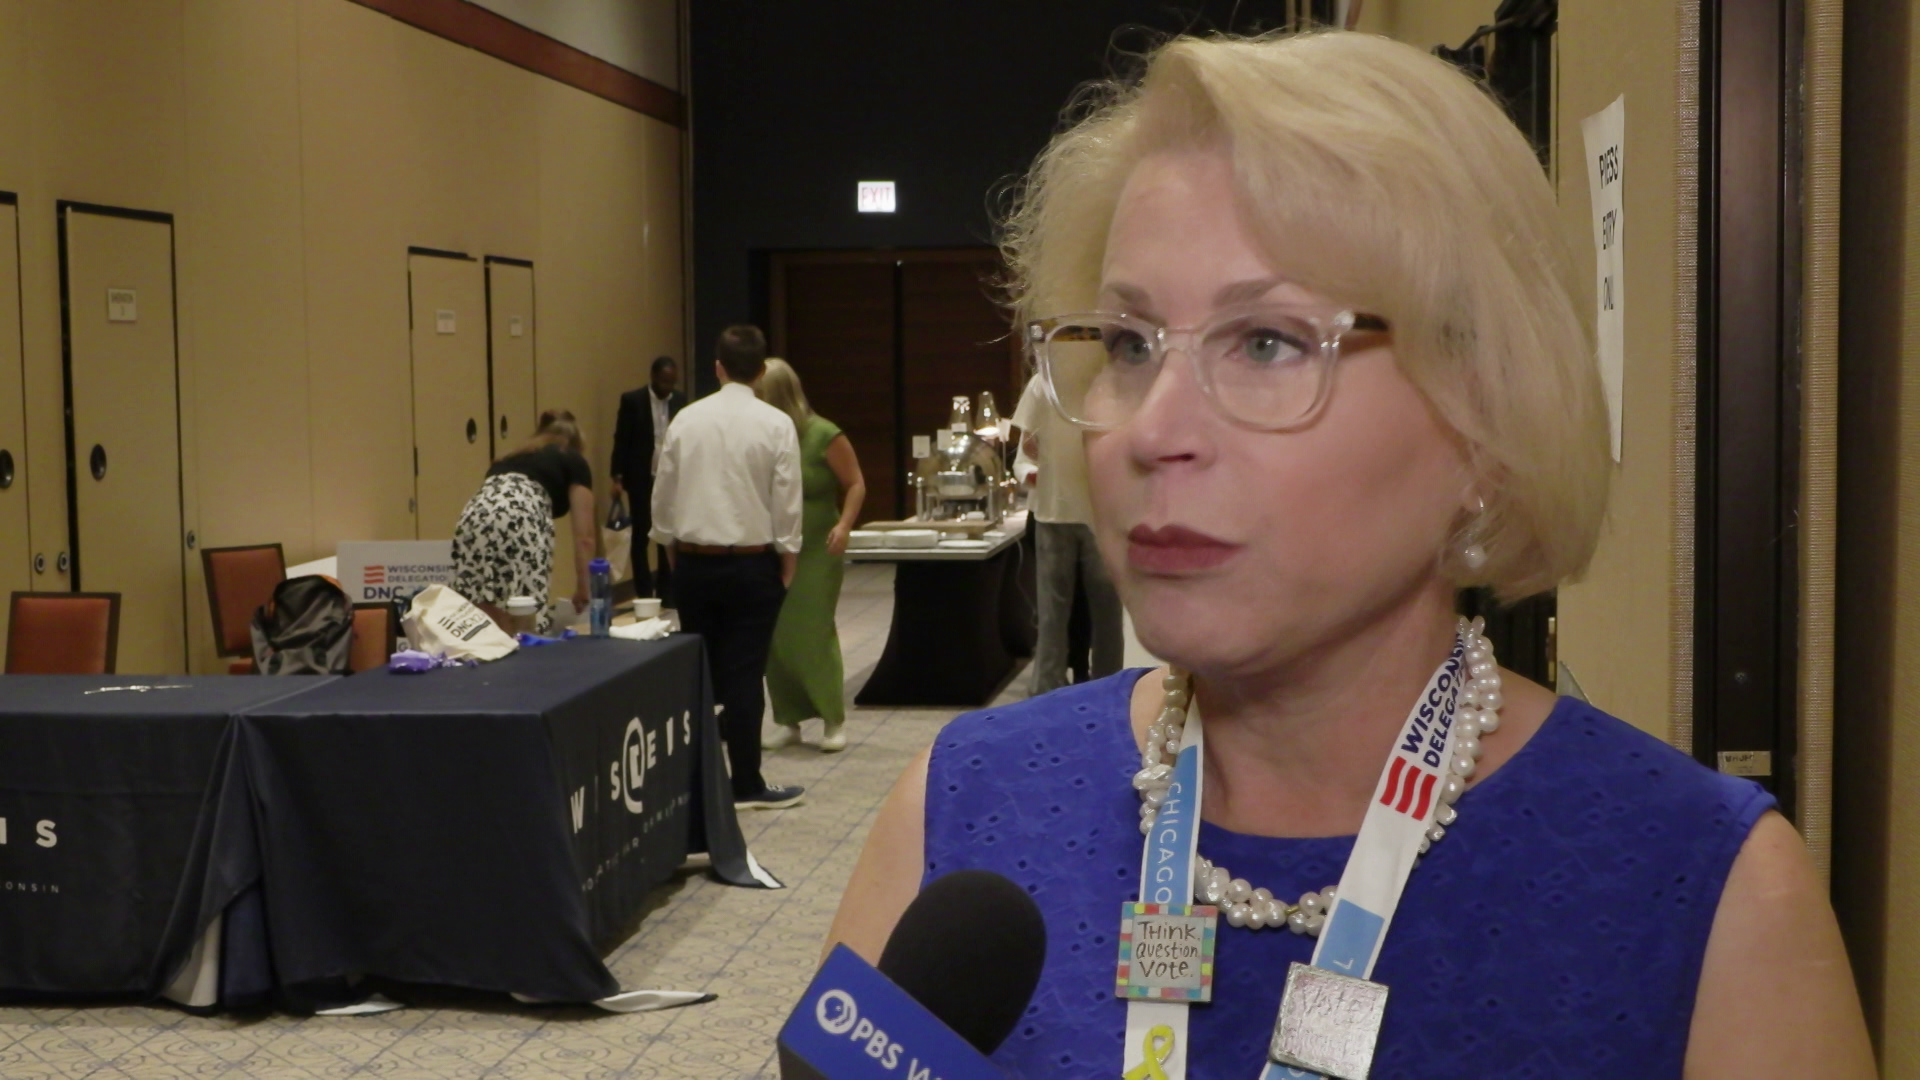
441,622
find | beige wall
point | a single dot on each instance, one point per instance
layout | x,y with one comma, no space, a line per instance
641,36
1900,995
1621,626
1617,627
302,145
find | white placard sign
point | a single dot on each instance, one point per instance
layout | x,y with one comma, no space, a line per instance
875,197
443,321
1605,133
515,327
376,570
123,305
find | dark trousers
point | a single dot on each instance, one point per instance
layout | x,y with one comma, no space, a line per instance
1068,562
658,582
733,602
1080,635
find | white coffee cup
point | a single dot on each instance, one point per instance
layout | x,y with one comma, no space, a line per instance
522,612
646,607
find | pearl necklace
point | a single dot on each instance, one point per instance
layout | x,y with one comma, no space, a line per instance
1478,713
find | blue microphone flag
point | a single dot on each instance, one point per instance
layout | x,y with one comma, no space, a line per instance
853,1022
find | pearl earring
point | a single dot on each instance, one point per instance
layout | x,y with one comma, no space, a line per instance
1471,553
1474,556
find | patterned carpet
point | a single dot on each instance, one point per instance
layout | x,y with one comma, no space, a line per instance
754,948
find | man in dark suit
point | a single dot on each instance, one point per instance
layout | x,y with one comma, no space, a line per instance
637,438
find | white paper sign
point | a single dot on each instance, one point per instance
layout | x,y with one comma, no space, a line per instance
515,327
123,305
1605,133
443,321
922,446
375,570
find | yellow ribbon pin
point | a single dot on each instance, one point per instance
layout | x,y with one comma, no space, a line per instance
1157,1047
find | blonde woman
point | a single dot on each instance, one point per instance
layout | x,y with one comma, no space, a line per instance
1305,298
804,670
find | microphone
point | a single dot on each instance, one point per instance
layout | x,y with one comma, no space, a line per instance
970,948
954,979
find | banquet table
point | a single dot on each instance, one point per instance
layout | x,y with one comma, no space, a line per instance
963,617
495,827
102,784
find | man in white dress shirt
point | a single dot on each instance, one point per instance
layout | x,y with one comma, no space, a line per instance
726,506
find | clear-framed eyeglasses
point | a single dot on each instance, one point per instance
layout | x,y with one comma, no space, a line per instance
1268,367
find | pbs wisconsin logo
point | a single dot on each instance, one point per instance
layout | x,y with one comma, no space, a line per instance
836,1012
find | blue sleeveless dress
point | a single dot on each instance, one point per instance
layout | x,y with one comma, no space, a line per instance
1557,931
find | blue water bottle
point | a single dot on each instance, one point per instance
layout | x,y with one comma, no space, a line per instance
599,597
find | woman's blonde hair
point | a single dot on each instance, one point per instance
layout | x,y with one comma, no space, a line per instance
1380,176
779,386
557,428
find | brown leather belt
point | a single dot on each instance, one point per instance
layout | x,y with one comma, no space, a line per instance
685,548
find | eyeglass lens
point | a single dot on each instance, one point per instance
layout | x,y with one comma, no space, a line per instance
1262,368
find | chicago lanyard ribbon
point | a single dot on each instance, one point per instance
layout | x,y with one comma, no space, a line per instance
1166,877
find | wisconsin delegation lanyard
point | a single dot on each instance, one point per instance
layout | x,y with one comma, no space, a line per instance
1405,799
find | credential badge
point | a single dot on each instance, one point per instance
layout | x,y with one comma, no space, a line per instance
1329,1022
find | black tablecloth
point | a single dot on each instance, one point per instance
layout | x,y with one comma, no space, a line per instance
494,827
959,630
100,794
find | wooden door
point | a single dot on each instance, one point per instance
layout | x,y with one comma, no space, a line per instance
510,351
16,570
884,340
836,327
450,408
123,461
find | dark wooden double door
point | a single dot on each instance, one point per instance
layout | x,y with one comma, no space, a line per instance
884,340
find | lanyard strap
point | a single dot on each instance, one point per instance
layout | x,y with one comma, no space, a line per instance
1404,801
1156,1045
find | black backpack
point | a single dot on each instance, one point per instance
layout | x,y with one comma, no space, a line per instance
306,629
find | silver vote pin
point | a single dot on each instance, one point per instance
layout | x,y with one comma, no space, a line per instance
1329,1023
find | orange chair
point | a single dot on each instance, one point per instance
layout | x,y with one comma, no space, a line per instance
240,580
372,643
65,633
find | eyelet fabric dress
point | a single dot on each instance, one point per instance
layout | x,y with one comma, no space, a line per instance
1558,931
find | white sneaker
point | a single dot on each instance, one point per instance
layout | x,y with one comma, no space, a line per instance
835,740
780,738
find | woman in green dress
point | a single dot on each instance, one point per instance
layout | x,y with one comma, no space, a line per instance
804,672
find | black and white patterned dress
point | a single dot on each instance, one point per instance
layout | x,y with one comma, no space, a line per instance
503,546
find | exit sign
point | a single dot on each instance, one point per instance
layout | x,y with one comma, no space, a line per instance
875,197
